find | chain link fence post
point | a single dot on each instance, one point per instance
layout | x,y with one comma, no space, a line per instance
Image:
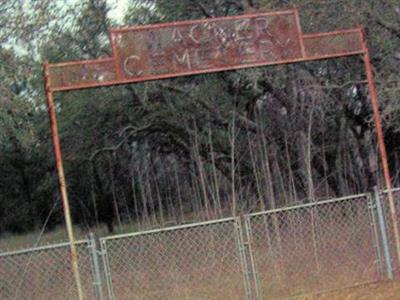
375,235
384,238
249,243
107,270
248,266
95,266
242,257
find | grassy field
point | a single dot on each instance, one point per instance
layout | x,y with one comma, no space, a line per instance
59,234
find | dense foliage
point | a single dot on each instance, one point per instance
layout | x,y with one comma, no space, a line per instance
190,148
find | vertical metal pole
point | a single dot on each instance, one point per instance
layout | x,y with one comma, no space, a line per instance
375,235
382,147
242,258
95,267
254,272
61,179
382,225
107,270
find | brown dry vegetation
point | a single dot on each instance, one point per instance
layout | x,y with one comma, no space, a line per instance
382,291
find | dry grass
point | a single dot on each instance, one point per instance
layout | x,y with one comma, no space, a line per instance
381,291
57,235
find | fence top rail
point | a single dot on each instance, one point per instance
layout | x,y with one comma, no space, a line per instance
391,190
172,228
41,248
308,205
198,224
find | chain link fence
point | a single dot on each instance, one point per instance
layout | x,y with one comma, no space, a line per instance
276,254
199,261
315,247
44,273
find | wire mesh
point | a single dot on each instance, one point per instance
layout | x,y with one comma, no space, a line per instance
44,273
195,262
312,248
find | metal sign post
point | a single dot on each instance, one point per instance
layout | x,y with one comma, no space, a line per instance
61,179
176,49
382,147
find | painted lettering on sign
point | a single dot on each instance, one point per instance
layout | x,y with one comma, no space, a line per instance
223,43
95,72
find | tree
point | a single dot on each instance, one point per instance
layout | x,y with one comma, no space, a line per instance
189,148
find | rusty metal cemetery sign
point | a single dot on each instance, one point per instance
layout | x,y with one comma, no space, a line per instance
203,46
210,45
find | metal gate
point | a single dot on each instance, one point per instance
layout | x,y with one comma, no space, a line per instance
305,249
197,261
300,250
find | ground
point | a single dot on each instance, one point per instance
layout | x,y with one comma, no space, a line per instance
379,291
382,291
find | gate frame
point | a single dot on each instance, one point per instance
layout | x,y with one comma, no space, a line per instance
58,154
378,239
240,253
